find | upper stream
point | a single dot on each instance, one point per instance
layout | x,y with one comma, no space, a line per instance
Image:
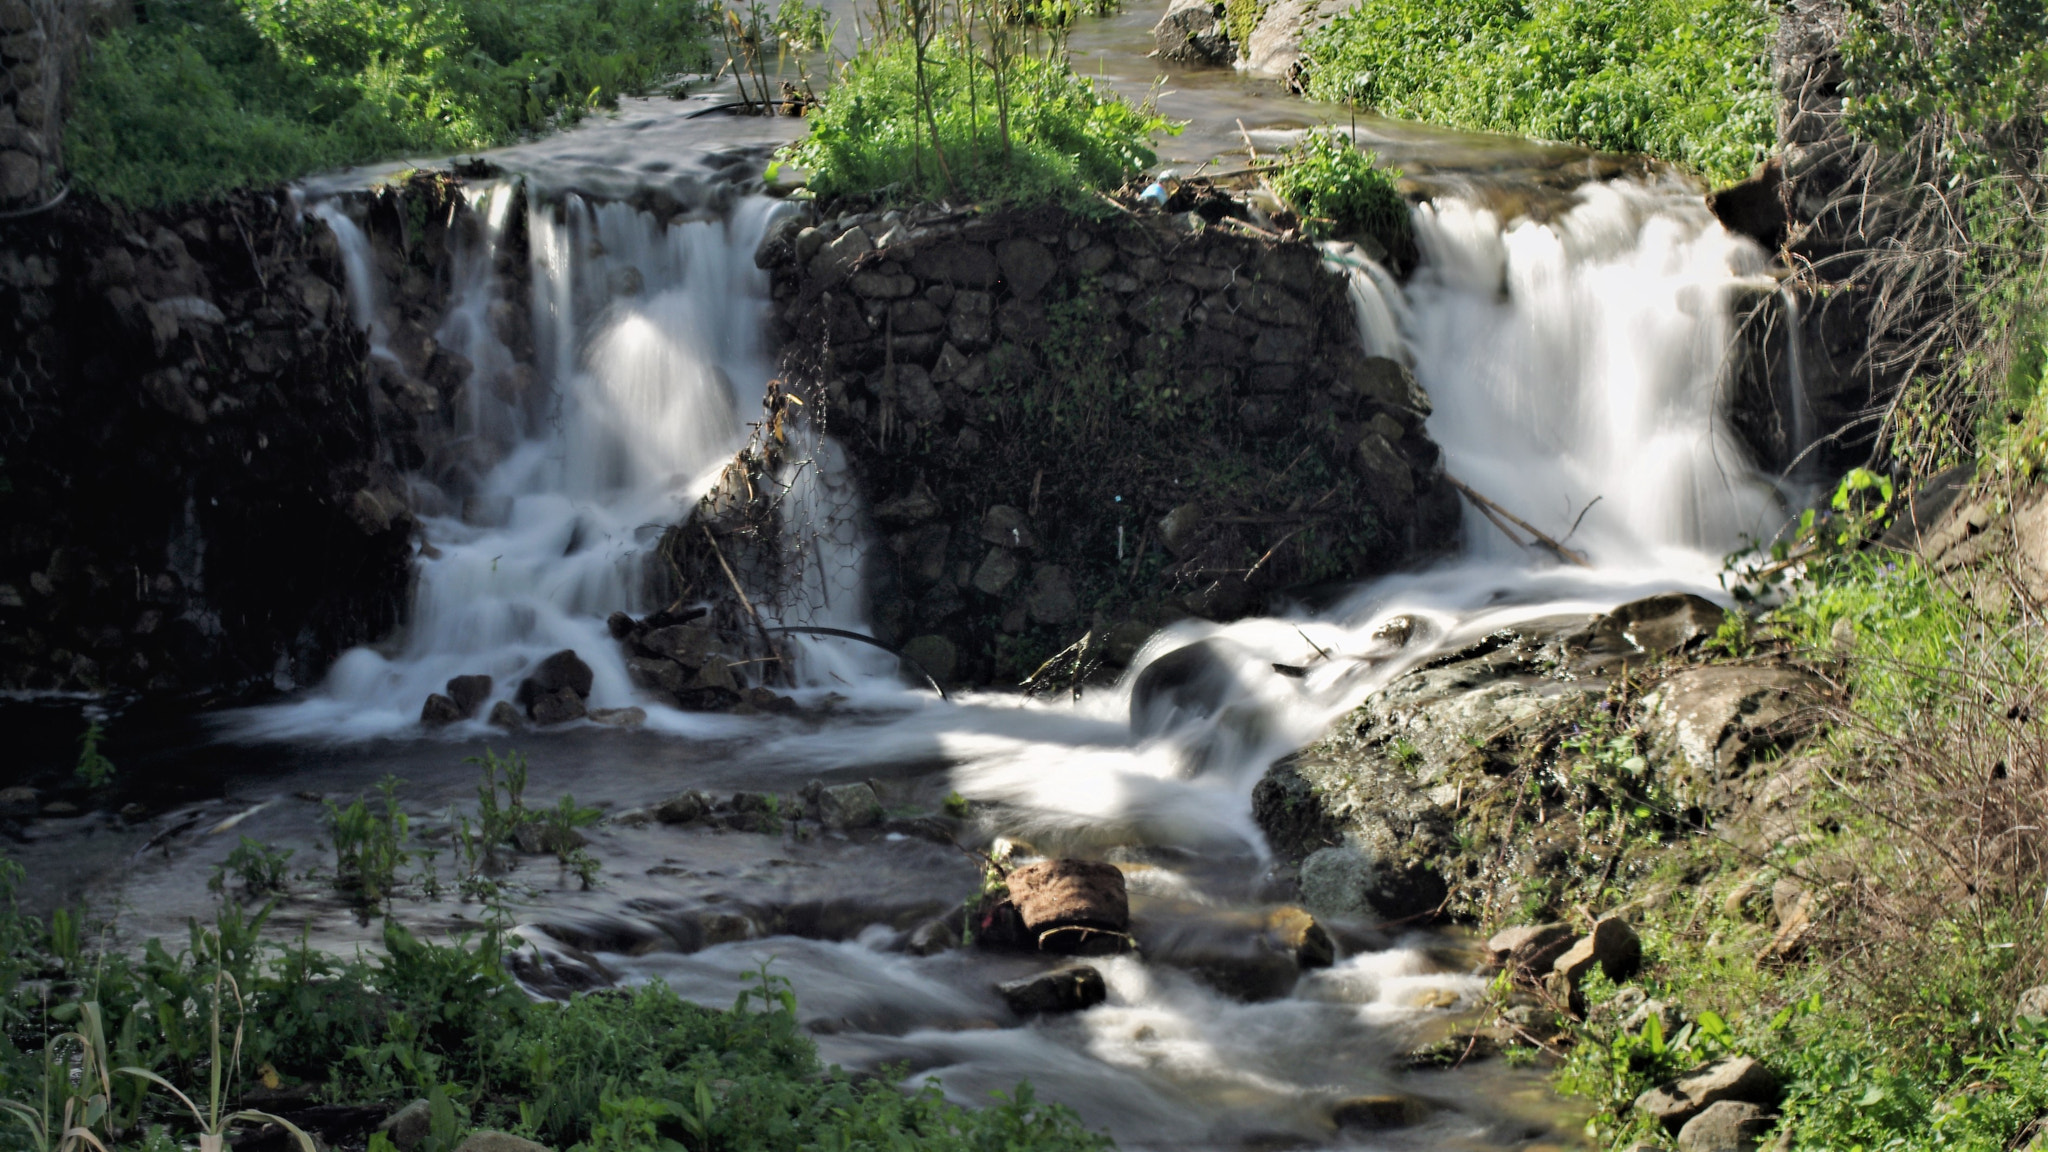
1573,362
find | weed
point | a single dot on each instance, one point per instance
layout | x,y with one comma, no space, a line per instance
94,770
1339,190
369,844
259,869
956,806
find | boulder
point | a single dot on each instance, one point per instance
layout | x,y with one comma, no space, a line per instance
1715,719
407,1128
469,693
1378,464
20,802
933,937
557,707
1051,599
997,571
834,261
1193,32
1006,527
2033,1003
506,715
659,673
958,264
440,710
1672,622
1336,882
1066,904
1530,948
1071,989
846,806
1235,959
563,671
1379,1112
1027,266
1730,1126
1296,932
682,808
1736,1078
1612,944
1189,683
687,644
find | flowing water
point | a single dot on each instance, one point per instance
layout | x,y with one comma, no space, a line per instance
1573,362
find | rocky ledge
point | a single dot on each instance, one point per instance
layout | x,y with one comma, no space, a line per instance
1498,777
1071,429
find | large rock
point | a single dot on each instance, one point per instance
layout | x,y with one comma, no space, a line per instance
1612,944
845,806
563,671
439,710
498,1142
1193,32
1736,1078
1730,1126
1066,904
1529,950
1071,989
557,707
1379,1112
407,1128
1672,622
1236,959
469,693
1718,718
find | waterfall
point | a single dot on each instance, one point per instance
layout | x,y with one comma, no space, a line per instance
649,351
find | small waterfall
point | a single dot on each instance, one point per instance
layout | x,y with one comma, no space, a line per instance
648,348
1795,382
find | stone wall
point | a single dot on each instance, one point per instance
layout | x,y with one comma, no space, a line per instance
41,42
1074,425
196,493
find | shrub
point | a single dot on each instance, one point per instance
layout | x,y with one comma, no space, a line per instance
1047,134
201,96
1688,80
1338,190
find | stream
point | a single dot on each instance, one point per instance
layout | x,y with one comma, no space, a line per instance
1572,355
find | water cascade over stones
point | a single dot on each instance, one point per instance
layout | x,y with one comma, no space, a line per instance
634,440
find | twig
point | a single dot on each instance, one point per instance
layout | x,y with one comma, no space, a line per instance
1275,548
742,594
1582,516
1563,553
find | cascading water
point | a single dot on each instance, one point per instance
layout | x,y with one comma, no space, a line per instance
648,341
1573,366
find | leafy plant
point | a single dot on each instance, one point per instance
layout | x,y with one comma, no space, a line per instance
1339,190
94,770
260,869
213,1123
75,1104
369,844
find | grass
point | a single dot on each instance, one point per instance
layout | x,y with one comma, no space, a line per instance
1048,135
1337,189
1686,80
202,96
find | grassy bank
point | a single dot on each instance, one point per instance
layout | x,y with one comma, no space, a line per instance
199,96
1687,80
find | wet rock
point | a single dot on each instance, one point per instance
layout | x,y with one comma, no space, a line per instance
1192,32
630,717
1124,642
1178,528
408,1127
1612,944
1669,623
1189,683
1736,1078
498,1142
1381,466
933,937
1072,989
657,673
506,715
682,808
834,262
1237,960
1529,949
847,806
440,710
1066,904
1296,932
1379,1112
1005,526
558,707
563,671
1337,881
767,700
687,644
19,803
1729,1126
469,693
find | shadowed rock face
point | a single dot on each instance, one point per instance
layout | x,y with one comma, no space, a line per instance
1066,425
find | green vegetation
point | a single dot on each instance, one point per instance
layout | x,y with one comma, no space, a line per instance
1688,80
200,96
1045,133
370,844
259,869
1337,189
94,770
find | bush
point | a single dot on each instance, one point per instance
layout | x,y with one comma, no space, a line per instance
201,96
1688,80
1336,189
1059,138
